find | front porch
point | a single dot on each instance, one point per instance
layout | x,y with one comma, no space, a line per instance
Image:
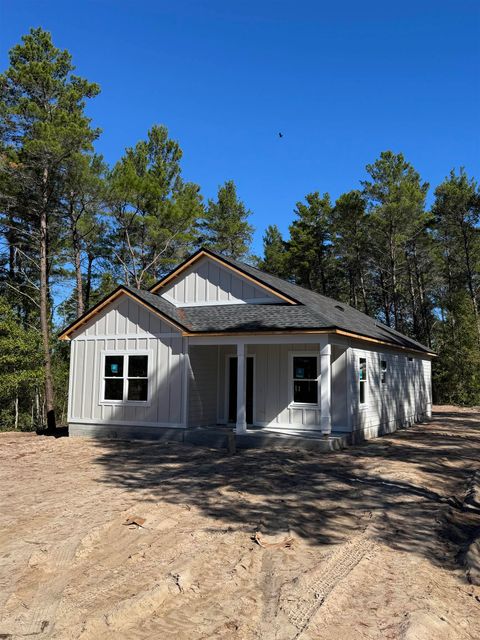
275,386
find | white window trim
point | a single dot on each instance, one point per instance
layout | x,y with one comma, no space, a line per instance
384,385
362,406
125,402
302,354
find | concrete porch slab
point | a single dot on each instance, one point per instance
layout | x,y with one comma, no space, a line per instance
262,438
217,436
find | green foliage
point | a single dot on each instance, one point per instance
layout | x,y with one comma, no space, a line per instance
377,248
310,255
43,128
381,251
457,248
456,371
20,370
274,253
396,202
225,227
152,211
350,234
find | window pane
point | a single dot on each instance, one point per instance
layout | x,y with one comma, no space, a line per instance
384,371
114,366
137,366
363,369
362,392
138,390
113,389
305,368
305,391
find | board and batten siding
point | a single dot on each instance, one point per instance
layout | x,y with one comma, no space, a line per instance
272,380
403,399
127,326
208,282
202,378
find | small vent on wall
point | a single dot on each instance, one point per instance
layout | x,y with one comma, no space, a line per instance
337,306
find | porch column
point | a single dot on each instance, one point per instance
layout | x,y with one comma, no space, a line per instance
241,426
325,389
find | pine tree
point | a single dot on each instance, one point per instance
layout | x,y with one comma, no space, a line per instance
457,219
84,191
275,254
225,227
350,232
20,370
152,210
396,203
43,125
310,254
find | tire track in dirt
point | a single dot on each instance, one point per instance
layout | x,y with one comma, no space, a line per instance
315,586
39,617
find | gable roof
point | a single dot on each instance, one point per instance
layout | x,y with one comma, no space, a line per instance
302,310
233,265
161,307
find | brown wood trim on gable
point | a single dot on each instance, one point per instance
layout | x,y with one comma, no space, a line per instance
204,253
65,334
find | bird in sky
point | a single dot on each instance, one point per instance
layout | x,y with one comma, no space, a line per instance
280,134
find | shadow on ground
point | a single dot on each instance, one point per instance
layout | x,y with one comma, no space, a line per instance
406,480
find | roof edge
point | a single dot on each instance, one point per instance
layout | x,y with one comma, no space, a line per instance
218,258
108,299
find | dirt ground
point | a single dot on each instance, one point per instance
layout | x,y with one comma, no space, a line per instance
378,536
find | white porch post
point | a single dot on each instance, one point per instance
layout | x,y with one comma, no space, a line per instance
325,388
241,426
186,381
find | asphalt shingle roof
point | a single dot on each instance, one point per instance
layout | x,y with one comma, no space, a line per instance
313,311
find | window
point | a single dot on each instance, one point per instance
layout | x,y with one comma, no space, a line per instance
138,378
126,378
113,378
305,382
383,377
363,379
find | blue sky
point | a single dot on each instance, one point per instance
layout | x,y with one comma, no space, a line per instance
342,80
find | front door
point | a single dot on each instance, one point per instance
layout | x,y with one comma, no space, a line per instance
232,390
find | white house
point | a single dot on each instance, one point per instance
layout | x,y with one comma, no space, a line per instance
218,342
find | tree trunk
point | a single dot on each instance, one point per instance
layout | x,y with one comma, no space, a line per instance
386,305
78,272
16,410
393,271
44,310
88,283
413,299
364,293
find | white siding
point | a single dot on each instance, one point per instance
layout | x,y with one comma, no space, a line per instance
127,326
403,399
208,282
272,379
202,395
125,317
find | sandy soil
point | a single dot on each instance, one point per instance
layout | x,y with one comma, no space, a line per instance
378,535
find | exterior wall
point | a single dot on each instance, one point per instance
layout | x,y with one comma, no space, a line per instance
208,282
272,381
127,327
202,391
339,372
405,398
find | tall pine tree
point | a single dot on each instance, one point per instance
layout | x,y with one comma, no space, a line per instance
225,227
275,253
